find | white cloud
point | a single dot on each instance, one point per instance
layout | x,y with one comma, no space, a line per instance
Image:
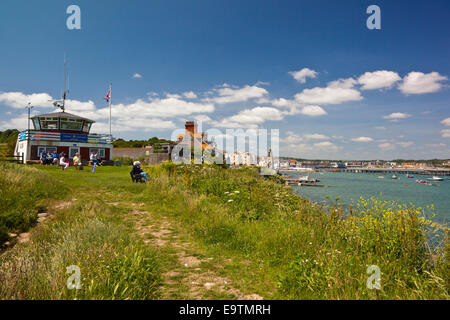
420,83
446,122
137,76
378,79
329,146
249,118
313,111
123,125
292,137
386,146
337,92
362,139
161,108
436,145
282,102
315,136
202,117
405,144
190,95
445,133
20,123
301,75
75,105
343,83
226,94
173,95
397,116
21,100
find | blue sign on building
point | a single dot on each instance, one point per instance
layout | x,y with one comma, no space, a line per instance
74,137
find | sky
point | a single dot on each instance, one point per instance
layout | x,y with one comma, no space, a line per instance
334,88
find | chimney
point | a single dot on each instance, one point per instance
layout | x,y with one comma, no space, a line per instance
191,126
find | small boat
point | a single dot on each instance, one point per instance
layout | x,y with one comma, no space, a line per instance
381,177
422,181
409,176
435,178
308,179
394,177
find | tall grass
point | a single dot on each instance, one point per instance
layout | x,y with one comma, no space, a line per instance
113,264
308,252
24,192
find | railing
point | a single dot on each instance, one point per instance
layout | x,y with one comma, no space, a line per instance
69,137
18,158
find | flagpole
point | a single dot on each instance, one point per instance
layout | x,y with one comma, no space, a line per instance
110,131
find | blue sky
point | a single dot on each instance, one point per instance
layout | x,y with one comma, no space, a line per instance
311,69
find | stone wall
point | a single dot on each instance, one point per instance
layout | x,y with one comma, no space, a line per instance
132,153
157,158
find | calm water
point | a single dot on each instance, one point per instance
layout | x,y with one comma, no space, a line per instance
350,186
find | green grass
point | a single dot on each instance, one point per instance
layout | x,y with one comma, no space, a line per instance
297,250
258,234
24,192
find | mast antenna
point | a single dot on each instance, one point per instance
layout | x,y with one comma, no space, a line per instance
62,103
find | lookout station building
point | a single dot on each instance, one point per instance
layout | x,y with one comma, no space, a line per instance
62,132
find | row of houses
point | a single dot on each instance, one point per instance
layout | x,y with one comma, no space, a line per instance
199,140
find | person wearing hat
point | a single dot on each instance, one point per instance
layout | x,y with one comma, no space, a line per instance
137,170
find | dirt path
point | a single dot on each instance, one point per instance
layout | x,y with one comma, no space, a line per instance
189,274
42,217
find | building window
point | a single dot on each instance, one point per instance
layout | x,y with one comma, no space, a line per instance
87,126
101,152
49,123
46,150
71,124
36,124
72,152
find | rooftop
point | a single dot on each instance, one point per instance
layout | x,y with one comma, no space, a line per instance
62,115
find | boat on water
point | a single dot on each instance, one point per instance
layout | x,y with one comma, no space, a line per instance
394,177
435,178
409,176
308,179
424,182
380,177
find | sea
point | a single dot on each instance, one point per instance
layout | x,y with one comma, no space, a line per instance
349,187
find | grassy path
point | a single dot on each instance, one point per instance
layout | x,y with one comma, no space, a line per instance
186,269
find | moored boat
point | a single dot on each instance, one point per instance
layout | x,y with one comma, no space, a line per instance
435,178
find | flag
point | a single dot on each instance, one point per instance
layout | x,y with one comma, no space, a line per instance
108,96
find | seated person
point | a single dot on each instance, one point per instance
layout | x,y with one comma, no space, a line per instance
63,162
77,161
49,159
55,158
98,159
137,170
43,157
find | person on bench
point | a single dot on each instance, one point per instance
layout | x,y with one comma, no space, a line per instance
77,162
137,171
63,163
